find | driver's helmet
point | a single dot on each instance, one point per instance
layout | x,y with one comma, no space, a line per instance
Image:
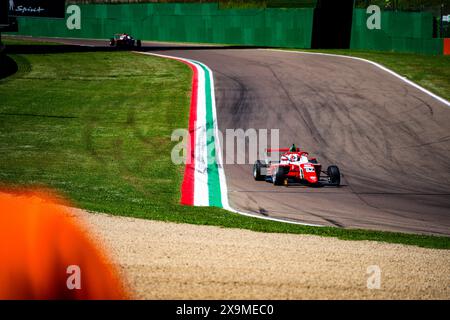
294,158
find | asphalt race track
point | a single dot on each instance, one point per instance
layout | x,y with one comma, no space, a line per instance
390,140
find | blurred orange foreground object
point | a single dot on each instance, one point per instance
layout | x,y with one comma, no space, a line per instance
45,254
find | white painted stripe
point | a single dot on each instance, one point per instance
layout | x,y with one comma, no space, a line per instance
201,191
404,79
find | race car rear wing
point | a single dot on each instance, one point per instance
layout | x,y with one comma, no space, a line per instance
281,150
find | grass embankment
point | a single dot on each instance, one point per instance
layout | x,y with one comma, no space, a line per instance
431,72
96,127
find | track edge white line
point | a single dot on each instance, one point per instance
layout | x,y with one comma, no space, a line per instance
376,64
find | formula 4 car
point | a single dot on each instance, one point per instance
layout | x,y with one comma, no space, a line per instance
123,40
295,166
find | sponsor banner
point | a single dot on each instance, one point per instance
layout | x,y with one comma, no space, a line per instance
37,8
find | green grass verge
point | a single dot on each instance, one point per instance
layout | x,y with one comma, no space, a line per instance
96,127
12,41
430,72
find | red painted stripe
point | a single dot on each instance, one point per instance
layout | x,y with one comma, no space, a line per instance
187,187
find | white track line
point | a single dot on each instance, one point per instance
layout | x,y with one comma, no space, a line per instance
404,79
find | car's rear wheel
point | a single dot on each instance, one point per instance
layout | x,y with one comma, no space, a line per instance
257,171
278,177
334,175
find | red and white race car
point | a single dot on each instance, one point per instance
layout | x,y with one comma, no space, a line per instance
124,40
295,166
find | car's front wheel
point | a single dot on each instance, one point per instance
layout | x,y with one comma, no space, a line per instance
334,175
278,177
257,171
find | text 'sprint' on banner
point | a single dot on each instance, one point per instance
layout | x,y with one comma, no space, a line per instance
37,8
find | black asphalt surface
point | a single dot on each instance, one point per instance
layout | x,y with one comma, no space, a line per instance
390,140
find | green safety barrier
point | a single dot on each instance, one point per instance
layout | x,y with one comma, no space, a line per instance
400,31
208,23
179,22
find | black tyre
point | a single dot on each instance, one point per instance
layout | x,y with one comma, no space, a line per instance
334,175
278,177
257,171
